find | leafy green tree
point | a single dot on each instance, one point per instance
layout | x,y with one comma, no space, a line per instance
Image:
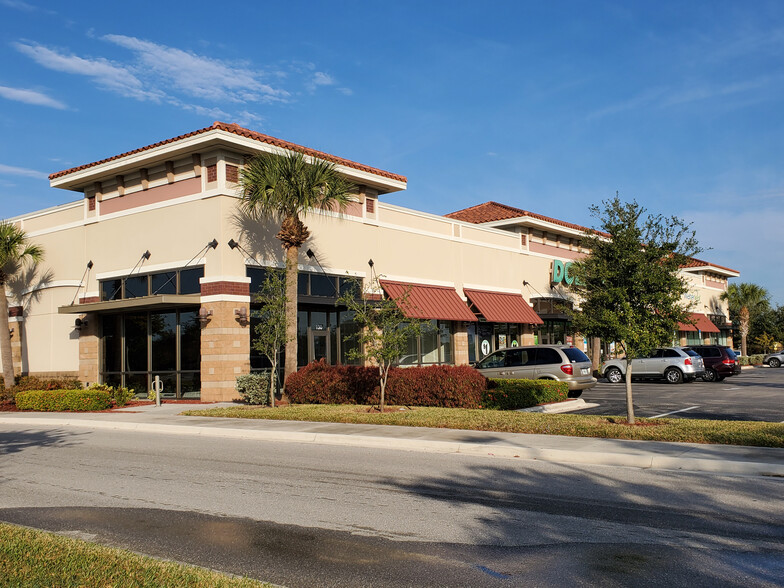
285,188
15,252
384,329
765,342
630,283
746,301
271,331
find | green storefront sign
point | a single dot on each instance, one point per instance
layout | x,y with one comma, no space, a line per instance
561,273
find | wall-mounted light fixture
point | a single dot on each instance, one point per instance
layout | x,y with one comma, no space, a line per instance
241,315
80,324
233,244
204,316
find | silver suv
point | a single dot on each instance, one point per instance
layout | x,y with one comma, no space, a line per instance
774,360
541,362
674,364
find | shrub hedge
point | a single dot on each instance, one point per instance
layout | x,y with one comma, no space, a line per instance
503,394
438,385
61,400
254,388
755,359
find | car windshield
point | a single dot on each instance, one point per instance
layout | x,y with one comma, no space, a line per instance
575,355
731,353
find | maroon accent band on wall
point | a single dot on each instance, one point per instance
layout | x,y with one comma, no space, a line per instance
232,288
15,311
89,299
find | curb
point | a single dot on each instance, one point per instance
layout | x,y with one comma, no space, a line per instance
641,459
556,407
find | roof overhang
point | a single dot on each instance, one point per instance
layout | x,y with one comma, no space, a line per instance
722,271
215,138
141,303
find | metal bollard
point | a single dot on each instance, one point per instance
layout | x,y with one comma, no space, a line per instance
157,387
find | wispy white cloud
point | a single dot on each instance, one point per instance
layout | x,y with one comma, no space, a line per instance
196,75
18,5
323,79
104,73
22,171
30,97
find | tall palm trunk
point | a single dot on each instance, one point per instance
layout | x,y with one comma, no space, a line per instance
5,340
745,319
292,256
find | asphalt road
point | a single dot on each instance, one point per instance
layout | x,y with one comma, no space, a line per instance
314,515
753,395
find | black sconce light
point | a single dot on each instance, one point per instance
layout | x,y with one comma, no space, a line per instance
233,244
80,324
370,262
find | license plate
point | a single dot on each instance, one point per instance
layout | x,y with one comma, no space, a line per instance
585,371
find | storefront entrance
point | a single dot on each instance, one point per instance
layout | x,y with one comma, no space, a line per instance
136,347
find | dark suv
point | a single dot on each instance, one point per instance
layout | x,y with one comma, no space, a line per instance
720,362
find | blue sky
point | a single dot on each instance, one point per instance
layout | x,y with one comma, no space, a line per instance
547,106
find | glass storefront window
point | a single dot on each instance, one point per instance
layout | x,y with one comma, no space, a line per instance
165,283
471,332
302,338
135,347
321,285
349,330
136,287
111,289
445,334
429,341
189,280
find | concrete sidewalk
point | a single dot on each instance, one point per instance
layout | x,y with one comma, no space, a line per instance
721,459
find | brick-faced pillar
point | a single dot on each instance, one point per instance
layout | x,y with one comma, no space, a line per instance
89,343
527,335
460,338
225,337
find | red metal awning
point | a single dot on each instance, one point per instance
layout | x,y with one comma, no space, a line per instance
502,307
698,322
429,302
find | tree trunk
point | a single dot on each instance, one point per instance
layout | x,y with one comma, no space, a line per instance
629,402
5,341
596,353
292,256
384,373
744,317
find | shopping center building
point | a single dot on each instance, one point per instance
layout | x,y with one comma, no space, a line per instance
152,271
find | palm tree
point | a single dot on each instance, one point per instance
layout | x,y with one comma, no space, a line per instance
745,301
15,252
284,188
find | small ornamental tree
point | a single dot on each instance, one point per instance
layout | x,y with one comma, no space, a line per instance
271,332
384,329
630,283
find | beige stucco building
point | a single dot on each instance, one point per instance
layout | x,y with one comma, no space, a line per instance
151,271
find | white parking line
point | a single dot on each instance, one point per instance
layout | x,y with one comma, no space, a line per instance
658,416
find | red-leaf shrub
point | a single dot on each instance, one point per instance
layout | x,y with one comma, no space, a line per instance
437,385
320,383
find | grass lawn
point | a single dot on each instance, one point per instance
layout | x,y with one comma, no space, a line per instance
37,558
749,433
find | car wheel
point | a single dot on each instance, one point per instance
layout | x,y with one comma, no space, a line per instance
710,375
673,376
614,375
774,362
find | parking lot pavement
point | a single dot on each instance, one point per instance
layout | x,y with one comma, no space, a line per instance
754,395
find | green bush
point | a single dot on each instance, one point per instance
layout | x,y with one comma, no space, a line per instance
61,400
254,388
755,359
25,383
504,394
119,396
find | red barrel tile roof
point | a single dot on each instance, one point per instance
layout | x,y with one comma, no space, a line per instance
238,130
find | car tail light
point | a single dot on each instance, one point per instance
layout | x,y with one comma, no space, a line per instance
687,361
729,362
567,369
